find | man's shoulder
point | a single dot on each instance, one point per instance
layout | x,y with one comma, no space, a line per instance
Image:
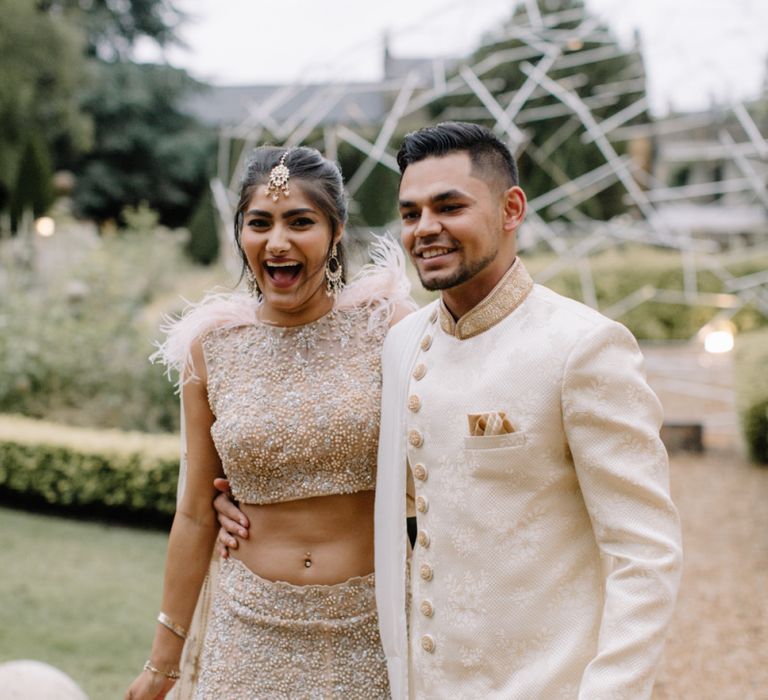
574,312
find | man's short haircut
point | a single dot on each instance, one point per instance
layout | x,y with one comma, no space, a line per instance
491,160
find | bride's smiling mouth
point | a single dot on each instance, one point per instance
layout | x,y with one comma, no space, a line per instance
283,273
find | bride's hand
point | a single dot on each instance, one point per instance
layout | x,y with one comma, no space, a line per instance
149,686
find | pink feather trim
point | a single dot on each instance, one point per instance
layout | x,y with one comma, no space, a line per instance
380,286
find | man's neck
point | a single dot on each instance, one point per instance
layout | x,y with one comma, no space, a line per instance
462,298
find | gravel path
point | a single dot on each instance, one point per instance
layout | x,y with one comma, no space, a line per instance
717,647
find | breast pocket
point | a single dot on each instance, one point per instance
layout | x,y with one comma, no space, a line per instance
492,458
494,442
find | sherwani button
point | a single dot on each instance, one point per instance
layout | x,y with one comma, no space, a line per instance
414,403
428,643
415,438
426,608
425,571
433,316
420,472
422,504
419,371
426,342
423,539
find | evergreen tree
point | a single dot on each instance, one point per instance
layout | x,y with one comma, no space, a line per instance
544,119
34,182
146,147
203,245
42,69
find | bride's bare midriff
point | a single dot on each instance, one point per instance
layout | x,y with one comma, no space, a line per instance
333,533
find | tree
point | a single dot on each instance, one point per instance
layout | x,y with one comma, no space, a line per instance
41,68
34,183
610,84
112,28
146,147
203,245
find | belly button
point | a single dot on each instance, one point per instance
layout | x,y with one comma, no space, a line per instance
308,559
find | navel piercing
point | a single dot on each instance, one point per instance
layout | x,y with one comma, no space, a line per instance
308,559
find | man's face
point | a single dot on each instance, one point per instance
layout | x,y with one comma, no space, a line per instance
452,224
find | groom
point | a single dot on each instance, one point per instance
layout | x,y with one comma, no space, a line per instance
547,556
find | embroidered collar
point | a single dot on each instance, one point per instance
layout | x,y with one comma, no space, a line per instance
505,297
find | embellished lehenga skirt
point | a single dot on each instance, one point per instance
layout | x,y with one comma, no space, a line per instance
275,640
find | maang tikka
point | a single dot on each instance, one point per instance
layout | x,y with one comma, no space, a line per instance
278,179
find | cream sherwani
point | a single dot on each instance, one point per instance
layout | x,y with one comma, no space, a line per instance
548,558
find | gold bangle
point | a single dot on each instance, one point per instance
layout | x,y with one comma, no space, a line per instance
174,674
166,622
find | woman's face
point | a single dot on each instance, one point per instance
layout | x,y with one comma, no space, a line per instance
286,243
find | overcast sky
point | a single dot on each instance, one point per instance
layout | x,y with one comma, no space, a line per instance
694,49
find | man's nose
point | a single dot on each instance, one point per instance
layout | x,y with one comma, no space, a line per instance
428,224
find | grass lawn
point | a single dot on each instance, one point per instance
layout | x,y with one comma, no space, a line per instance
80,596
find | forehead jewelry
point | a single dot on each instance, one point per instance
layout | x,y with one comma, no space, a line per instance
278,179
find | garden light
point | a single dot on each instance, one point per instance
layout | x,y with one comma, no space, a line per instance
45,226
718,337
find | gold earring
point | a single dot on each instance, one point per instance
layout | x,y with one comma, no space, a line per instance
333,273
251,284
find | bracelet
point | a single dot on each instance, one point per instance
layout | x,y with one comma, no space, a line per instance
174,674
166,622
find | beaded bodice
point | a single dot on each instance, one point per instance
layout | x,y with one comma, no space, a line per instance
297,408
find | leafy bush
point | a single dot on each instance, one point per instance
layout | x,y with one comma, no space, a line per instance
619,272
75,332
755,426
107,473
751,381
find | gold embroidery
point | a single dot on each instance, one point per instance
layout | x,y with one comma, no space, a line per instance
506,296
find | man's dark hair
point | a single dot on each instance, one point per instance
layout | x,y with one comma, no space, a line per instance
490,157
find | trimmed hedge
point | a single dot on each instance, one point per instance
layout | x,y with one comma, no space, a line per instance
752,391
105,473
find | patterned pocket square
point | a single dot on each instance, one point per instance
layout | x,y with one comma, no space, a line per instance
492,423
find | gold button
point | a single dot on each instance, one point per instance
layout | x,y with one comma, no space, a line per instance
419,371
426,342
433,316
426,608
414,403
425,571
423,539
415,438
428,643
422,504
420,472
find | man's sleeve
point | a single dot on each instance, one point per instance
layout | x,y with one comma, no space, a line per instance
612,421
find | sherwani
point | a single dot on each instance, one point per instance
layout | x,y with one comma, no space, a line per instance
548,557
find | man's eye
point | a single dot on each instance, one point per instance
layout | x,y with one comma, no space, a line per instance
451,207
409,216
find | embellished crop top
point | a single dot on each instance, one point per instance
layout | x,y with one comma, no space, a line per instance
297,408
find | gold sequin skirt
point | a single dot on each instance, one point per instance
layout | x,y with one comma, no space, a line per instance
271,640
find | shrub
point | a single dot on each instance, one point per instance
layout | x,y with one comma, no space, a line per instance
751,381
203,244
74,339
34,182
107,473
755,425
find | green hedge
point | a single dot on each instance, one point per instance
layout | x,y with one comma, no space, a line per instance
751,380
105,473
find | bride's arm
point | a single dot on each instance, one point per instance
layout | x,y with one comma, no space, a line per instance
192,536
